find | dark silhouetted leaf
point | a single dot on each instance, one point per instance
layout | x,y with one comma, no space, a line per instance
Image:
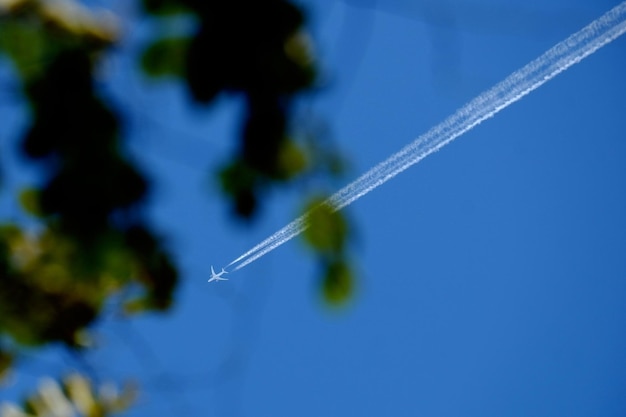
239,181
164,7
264,133
206,66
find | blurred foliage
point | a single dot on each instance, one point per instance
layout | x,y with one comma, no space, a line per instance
327,233
34,31
327,228
165,58
29,201
91,241
338,283
6,361
74,396
258,50
65,285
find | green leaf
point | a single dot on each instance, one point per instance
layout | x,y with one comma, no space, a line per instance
165,58
338,283
25,45
327,228
29,200
291,160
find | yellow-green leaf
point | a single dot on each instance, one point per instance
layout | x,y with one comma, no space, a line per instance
327,228
29,200
338,283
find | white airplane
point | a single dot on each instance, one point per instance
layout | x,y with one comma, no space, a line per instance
218,276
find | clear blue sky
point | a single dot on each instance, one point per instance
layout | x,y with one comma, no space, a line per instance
491,276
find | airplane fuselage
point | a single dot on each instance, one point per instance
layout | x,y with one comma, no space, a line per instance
217,276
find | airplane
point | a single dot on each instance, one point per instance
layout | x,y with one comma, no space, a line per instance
218,276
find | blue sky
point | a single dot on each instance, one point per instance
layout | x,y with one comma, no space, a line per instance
491,276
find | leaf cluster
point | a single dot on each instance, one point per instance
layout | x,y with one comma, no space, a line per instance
74,395
256,50
92,242
327,233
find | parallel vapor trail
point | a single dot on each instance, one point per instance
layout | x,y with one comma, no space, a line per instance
563,55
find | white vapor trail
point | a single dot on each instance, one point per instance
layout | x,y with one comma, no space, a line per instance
523,81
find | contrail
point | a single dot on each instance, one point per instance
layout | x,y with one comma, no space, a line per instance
560,57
